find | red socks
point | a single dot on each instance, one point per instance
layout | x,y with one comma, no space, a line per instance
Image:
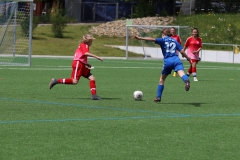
66,81
92,86
194,70
190,70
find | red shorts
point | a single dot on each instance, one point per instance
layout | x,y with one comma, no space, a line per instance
193,60
78,70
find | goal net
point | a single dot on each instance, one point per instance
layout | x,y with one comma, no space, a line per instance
16,32
150,49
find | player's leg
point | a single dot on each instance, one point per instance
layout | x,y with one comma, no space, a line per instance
175,73
194,70
160,88
189,70
75,76
180,70
92,82
185,79
167,68
55,81
92,85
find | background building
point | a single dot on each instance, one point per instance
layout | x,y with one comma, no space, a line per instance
98,10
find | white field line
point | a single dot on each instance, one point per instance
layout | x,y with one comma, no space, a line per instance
124,61
109,67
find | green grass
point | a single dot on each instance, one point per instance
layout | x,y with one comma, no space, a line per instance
63,123
45,44
213,28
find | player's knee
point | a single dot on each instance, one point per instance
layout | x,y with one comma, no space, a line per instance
161,81
75,81
91,78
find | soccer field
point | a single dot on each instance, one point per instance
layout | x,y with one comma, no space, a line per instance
63,123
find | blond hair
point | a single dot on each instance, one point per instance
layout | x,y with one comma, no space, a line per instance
87,38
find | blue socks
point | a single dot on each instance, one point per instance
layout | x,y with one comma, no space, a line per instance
159,91
185,78
161,87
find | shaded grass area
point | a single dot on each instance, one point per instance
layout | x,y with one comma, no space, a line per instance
63,123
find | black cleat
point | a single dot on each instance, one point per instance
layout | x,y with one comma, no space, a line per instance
95,97
157,99
52,83
187,85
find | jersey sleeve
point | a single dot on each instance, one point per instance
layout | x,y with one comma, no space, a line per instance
187,43
179,40
159,41
84,48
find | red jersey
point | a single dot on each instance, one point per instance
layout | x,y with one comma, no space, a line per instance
193,45
178,39
80,53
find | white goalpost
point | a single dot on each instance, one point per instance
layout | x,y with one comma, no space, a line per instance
150,49
16,18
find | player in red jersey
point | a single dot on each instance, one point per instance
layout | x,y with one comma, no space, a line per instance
80,67
193,45
178,39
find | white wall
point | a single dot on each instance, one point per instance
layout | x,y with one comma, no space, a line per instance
206,55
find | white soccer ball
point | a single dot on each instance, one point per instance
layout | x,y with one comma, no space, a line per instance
138,95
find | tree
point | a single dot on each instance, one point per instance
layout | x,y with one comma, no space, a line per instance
59,22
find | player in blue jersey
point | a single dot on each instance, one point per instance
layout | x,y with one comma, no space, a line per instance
171,60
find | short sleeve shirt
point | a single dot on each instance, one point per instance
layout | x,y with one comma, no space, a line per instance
80,53
177,38
168,46
192,45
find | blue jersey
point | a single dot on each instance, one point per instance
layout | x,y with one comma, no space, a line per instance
168,46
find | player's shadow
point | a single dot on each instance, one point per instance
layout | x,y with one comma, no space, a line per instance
191,104
85,98
103,98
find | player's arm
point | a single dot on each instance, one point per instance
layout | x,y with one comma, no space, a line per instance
186,45
179,40
145,38
92,55
199,49
200,45
184,55
181,50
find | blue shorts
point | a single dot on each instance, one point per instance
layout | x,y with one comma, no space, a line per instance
172,63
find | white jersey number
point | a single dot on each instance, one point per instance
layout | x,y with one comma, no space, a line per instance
171,47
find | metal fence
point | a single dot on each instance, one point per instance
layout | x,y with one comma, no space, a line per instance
228,53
